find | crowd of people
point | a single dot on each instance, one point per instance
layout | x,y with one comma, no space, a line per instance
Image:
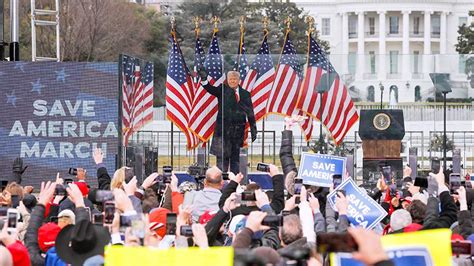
71,223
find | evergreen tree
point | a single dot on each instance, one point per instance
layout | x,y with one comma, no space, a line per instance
465,47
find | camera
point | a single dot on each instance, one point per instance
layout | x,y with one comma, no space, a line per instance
225,176
60,190
186,230
248,196
12,219
454,182
72,171
171,223
263,167
109,212
273,220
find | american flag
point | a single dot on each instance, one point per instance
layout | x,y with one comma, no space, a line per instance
259,80
204,111
242,62
199,57
179,90
137,96
338,111
285,89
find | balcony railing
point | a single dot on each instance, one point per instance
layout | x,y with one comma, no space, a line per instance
369,34
370,76
416,34
435,34
394,75
394,34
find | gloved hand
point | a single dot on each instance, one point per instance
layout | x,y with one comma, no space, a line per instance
203,74
253,132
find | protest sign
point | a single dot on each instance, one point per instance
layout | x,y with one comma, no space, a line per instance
120,255
362,210
318,169
422,248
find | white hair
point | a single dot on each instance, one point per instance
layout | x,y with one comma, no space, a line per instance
233,73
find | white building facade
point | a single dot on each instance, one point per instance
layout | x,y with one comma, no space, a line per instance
395,44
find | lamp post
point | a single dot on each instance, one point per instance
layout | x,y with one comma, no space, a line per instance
381,95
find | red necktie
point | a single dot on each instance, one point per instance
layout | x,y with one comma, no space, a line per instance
237,95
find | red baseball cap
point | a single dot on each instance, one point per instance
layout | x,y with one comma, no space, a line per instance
47,234
82,187
157,219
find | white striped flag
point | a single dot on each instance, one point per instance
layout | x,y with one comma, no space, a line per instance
179,87
338,111
204,111
137,96
199,57
285,89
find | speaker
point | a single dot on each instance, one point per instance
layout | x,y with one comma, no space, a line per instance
381,125
413,161
201,156
457,161
244,164
350,165
151,160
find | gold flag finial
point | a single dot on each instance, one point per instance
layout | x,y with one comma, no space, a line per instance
288,21
310,21
197,25
215,20
242,22
173,24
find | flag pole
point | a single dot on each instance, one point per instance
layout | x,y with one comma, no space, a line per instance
173,35
265,33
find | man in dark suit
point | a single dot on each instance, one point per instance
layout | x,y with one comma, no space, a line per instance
235,109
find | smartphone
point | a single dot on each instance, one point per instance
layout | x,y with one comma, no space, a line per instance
53,219
387,174
298,185
72,171
60,190
104,195
421,182
435,165
15,201
335,242
186,230
336,180
463,247
125,221
12,219
454,182
167,172
273,220
109,212
98,219
225,176
68,181
248,196
263,167
171,223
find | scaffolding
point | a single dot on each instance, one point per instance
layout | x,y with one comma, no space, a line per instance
53,21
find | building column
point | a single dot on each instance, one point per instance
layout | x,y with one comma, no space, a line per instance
427,57
345,44
443,33
360,47
382,75
406,72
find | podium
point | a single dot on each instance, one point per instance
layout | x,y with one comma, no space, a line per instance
381,132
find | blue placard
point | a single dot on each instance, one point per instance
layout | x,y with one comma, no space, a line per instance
318,169
401,256
363,210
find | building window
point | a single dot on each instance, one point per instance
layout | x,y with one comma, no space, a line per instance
393,62
352,62
462,64
393,25
416,62
371,26
416,25
326,26
462,21
417,94
393,96
372,62
352,26
436,25
371,94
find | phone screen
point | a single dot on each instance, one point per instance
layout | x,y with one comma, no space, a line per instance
336,180
435,166
171,223
15,201
421,182
298,185
454,182
109,212
387,173
12,219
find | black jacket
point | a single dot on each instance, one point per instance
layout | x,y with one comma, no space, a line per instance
286,152
447,216
231,117
36,221
103,178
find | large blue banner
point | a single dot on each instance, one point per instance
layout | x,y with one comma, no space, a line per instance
363,210
54,114
318,169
